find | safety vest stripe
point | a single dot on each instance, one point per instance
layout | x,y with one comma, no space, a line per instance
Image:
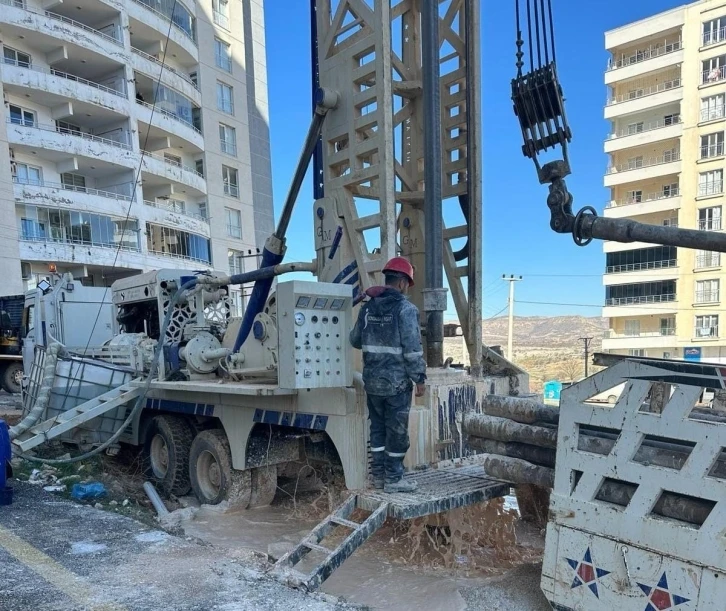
382,350
412,355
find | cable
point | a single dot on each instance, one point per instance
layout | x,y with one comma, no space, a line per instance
502,310
552,32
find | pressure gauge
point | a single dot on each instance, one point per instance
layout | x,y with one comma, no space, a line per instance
299,319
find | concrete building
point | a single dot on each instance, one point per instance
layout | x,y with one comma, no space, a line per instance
135,137
667,87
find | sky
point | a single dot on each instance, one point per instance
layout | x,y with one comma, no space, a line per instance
559,278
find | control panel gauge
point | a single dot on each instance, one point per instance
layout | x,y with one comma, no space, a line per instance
299,319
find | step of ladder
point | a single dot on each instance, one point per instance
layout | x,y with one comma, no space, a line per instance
70,419
284,569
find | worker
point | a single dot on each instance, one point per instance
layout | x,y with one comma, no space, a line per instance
388,333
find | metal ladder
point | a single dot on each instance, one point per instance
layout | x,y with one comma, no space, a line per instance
70,419
360,532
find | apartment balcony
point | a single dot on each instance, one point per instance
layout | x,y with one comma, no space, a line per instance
644,305
647,133
161,171
645,98
174,216
169,124
44,29
706,333
636,62
712,114
632,273
51,88
52,194
643,169
666,338
171,77
66,147
648,203
713,76
148,23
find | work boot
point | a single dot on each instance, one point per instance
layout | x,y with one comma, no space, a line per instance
402,485
378,483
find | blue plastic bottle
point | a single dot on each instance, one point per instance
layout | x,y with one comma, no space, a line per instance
85,492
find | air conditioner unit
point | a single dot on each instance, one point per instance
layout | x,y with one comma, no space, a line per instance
25,270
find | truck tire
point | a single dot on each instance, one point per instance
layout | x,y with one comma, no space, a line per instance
264,486
166,453
12,377
210,470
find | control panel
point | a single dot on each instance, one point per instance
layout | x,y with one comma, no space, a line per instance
314,320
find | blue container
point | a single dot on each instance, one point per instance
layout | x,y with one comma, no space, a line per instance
6,471
86,492
552,390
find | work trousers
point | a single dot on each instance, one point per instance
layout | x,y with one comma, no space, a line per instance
389,434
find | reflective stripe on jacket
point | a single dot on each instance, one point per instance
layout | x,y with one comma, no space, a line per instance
388,333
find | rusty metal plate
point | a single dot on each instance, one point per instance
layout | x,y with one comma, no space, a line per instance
438,490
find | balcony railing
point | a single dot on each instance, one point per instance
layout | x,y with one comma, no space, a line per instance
668,157
648,197
711,114
171,162
645,91
234,231
169,114
76,24
714,37
189,35
709,224
223,61
44,184
165,66
713,75
708,296
710,188
707,261
66,75
641,55
231,190
225,105
220,19
665,332
706,331
174,255
640,299
31,235
708,151
638,267
73,133
229,147
645,127
171,207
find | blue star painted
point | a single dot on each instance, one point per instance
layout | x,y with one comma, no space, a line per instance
586,573
660,598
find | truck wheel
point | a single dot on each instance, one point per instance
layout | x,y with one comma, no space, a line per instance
210,470
12,378
166,453
264,486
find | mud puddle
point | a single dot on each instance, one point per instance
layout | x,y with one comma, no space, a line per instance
451,561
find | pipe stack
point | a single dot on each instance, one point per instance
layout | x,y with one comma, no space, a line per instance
518,439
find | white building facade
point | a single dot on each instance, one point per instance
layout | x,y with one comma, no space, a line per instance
135,137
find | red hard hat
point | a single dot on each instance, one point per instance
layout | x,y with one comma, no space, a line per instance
400,265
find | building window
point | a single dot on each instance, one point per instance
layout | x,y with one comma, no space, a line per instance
670,190
642,292
199,165
668,326
712,145
236,261
20,116
63,127
706,258
632,328
225,98
707,291
229,178
175,243
636,352
228,139
657,257
222,55
672,119
712,107
16,58
706,326
71,227
173,159
714,69
203,210
234,223
709,219
635,162
74,182
220,11
635,128
710,183
635,197
714,31
25,174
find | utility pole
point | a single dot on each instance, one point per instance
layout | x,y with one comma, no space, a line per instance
510,336
587,341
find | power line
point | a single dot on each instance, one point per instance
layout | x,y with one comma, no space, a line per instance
600,306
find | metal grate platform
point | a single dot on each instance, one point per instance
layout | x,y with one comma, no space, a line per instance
438,490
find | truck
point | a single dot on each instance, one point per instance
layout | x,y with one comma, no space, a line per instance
11,331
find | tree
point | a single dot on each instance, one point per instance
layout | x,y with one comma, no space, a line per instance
571,369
